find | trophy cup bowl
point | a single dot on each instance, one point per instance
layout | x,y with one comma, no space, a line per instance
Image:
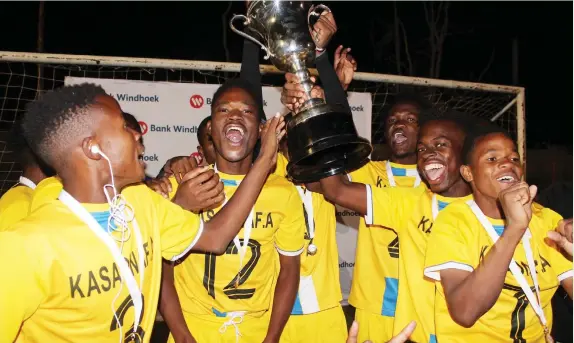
322,139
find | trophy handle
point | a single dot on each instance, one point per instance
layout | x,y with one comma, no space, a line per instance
246,21
316,14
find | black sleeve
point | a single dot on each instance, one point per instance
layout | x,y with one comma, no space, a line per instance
334,92
250,69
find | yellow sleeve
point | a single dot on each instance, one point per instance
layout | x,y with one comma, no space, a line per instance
47,190
361,175
180,229
561,265
281,166
174,186
23,286
14,206
447,247
390,207
290,236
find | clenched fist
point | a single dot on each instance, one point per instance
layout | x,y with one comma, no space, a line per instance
516,202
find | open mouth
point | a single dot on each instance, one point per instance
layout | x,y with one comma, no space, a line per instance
507,179
434,171
399,137
235,134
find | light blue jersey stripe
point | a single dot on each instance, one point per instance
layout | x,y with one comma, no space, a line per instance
398,171
297,308
390,297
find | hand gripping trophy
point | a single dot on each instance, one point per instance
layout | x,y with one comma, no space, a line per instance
321,138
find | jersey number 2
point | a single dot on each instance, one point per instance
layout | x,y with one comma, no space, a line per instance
232,289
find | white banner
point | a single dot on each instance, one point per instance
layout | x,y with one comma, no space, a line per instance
169,114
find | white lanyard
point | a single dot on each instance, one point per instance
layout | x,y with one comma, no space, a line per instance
125,272
247,228
534,301
27,182
409,172
307,198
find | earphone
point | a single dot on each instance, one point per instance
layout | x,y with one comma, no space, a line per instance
96,150
121,213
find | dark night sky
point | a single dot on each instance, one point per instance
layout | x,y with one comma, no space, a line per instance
193,30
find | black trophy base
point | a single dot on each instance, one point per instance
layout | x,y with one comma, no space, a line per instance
323,142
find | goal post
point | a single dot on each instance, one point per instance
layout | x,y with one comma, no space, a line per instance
20,79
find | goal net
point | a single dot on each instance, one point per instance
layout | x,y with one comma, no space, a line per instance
25,75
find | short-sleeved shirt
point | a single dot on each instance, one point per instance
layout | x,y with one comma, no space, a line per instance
376,271
319,286
213,285
15,205
459,241
408,211
281,166
62,281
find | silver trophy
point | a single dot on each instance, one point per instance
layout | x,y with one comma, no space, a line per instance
322,139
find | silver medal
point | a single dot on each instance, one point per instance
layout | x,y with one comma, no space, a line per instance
312,249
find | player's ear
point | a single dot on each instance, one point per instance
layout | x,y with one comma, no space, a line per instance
261,126
91,148
466,173
208,128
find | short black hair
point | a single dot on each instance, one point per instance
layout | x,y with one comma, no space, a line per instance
480,129
242,84
202,126
52,122
463,120
412,98
132,122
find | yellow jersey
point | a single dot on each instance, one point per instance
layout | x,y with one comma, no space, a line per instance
281,166
213,285
15,203
376,271
48,189
460,240
319,286
410,213
64,284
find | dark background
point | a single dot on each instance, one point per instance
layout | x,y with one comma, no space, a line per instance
478,48
194,31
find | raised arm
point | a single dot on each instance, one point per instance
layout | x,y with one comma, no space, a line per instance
469,295
250,69
339,190
220,230
334,92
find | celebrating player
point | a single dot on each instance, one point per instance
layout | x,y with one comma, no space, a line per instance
86,267
180,165
497,274
375,284
374,288
410,212
317,315
247,293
